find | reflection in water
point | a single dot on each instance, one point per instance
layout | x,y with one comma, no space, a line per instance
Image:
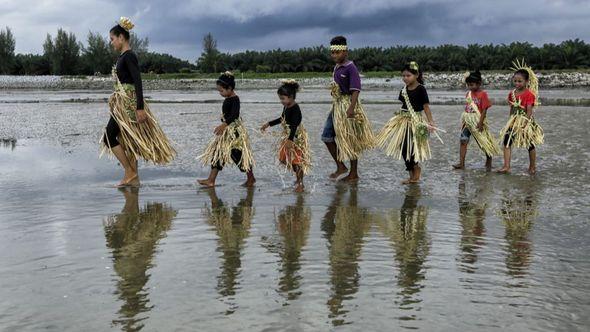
133,236
472,213
293,226
518,212
406,229
9,143
344,227
232,226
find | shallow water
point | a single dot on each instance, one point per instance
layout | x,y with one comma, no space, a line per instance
461,251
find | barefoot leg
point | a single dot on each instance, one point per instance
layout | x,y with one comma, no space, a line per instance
250,180
210,181
410,177
507,156
417,174
340,167
130,174
532,161
488,163
462,154
353,175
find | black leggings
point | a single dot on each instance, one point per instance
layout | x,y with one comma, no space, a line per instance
508,141
236,156
113,131
410,163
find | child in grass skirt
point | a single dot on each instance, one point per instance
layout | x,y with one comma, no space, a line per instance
474,122
293,147
522,130
406,134
230,143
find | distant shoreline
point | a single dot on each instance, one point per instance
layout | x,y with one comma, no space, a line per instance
371,80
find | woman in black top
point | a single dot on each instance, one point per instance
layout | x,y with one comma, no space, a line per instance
132,131
231,142
293,146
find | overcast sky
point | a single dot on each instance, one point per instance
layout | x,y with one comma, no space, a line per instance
290,24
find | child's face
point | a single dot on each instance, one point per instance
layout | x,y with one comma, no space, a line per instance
117,42
519,81
224,92
286,100
339,56
473,86
409,77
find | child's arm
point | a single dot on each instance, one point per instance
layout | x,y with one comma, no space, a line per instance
270,124
353,101
429,117
529,111
482,118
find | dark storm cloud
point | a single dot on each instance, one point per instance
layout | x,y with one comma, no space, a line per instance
178,27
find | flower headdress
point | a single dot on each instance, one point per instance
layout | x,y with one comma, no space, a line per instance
126,23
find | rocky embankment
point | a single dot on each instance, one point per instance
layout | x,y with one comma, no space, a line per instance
433,80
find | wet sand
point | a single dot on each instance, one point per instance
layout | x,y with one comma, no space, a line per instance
461,251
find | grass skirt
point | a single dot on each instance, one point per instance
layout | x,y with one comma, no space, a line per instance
405,129
219,149
353,135
139,140
301,155
484,139
523,132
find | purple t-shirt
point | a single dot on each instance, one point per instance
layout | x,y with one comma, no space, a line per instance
347,77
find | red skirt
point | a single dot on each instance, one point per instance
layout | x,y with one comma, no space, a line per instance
294,156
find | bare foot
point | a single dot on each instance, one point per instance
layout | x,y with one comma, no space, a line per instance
299,187
458,166
249,183
349,178
338,172
503,170
134,182
128,180
407,181
206,183
532,171
417,174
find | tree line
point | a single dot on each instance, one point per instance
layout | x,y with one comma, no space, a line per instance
64,54
569,54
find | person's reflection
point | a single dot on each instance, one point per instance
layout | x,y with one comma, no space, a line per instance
232,225
406,229
9,143
293,224
344,227
518,213
472,213
133,236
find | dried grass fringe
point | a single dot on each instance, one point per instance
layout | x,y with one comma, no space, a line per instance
235,136
139,140
353,135
301,142
408,127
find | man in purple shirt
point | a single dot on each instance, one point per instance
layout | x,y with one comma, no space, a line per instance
348,79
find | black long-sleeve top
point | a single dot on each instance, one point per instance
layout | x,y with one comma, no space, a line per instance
129,73
230,109
418,98
292,116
